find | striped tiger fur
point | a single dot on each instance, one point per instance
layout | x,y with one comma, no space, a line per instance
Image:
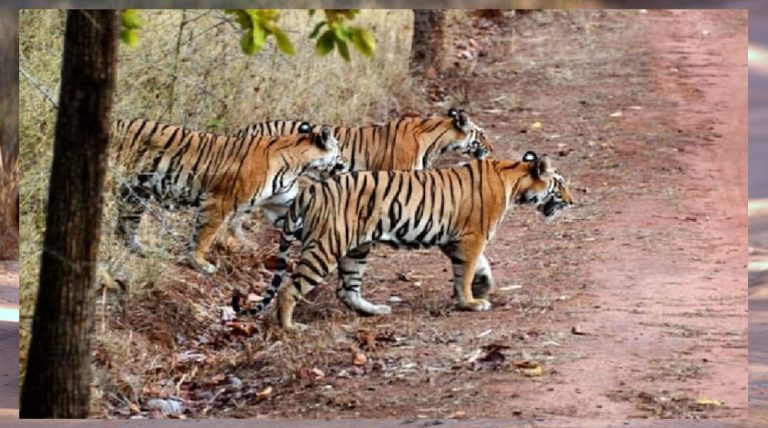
408,143
222,176
457,209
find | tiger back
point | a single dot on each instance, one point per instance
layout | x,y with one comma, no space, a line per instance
408,143
221,176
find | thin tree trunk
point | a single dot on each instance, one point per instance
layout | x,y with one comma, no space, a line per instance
427,43
57,382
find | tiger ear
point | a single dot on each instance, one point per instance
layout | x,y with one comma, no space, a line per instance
322,138
530,157
460,119
453,113
305,128
544,168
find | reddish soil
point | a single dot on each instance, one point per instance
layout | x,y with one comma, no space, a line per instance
631,305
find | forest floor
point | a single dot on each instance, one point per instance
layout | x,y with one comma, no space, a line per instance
631,305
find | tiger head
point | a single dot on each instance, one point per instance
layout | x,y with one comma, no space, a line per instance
546,189
325,154
468,138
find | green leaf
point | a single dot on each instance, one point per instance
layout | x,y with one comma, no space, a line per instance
246,43
343,50
311,12
364,42
130,37
341,33
325,43
253,40
243,19
284,43
259,36
316,30
130,19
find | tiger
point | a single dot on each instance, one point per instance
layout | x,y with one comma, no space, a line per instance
457,209
408,143
220,176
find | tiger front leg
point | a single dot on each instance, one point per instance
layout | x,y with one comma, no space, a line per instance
212,214
466,257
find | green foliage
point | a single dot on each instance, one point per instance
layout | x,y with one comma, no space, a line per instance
339,34
130,23
259,24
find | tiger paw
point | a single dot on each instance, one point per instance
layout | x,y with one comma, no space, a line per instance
381,310
296,327
478,305
204,266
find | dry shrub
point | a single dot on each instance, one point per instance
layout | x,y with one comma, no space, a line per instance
188,69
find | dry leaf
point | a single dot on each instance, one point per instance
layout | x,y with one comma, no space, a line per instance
359,359
536,126
708,402
367,339
534,372
317,373
264,393
459,414
526,364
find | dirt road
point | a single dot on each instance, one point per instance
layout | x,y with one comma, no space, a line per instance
663,307
9,339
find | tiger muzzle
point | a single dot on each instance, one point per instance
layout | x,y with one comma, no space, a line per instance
551,207
480,153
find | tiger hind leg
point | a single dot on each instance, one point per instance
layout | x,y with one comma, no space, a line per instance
313,265
213,213
465,257
351,269
131,204
482,283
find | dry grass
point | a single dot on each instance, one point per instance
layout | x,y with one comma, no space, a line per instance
188,69
9,150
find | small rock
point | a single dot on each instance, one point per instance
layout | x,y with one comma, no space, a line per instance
234,380
168,407
227,313
394,299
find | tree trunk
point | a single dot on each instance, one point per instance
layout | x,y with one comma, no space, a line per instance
427,44
57,382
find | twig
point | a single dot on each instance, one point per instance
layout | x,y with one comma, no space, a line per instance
39,87
175,74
